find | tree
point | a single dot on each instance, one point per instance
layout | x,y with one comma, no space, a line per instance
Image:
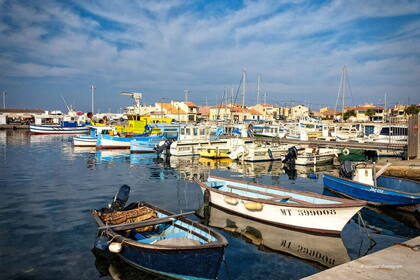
348,114
412,110
370,113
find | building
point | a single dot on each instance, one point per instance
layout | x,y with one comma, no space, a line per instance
21,116
298,112
235,114
329,114
184,111
268,112
378,114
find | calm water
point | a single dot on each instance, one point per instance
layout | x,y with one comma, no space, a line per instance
48,187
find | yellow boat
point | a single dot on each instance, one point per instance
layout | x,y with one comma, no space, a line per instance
137,123
215,163
215,153
314,134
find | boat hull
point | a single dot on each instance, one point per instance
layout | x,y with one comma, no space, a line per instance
178,264
57,129
314,159
84,141
371,194
143,147
112,142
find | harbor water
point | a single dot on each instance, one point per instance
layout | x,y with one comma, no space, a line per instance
48,188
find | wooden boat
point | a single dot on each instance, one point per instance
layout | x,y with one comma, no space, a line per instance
117,142
387,191
255,153
66,127
162,243
280,206
321,250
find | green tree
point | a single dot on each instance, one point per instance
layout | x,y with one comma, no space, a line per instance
348,114
370,113
412,110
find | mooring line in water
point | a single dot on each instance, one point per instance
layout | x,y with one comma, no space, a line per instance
372,241
226,268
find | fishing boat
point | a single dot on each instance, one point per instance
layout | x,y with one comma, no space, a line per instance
66,127
90,140
119,142
313,156
280,206
138,146
363,184
320,250
158,241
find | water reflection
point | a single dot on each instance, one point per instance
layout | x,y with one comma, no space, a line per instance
109,265
321,251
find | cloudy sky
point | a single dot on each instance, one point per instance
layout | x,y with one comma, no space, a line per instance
51,49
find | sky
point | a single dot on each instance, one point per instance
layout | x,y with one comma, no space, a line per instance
55,50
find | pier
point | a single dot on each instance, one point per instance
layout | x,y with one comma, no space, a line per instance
335,144
396,262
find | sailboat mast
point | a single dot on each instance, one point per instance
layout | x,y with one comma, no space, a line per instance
258,89
243,89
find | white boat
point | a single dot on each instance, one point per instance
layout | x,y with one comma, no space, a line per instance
90,140
66,127
280,206
258,152
324,250
310,156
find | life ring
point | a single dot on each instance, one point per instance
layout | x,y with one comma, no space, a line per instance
346,152
270,153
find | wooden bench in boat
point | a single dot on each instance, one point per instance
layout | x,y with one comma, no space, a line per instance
274,196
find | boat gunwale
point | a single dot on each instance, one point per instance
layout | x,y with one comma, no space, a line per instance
344,202
220,242
382,188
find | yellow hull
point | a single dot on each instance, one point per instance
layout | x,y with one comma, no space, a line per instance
215,153
137,123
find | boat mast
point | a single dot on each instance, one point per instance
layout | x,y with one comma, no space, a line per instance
341,90
92,88
243,88
258,89
186,92
385,112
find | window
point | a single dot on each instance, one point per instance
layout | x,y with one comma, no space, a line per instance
187,131
195,131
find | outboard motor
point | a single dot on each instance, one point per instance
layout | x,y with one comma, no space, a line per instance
347,170
291,155
120,198
163,146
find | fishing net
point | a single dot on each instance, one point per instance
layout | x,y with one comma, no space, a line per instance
129,216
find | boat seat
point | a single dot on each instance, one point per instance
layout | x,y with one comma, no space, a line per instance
180,241
156,238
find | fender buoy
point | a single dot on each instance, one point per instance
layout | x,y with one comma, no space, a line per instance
346,152
270,153
115,247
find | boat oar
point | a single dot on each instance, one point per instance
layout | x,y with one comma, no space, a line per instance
145,223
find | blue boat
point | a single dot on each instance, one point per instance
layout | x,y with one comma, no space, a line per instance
138,146
388,190
160,242
117,142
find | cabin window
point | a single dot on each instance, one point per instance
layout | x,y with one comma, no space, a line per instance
182,131
202,131
187,131
195,131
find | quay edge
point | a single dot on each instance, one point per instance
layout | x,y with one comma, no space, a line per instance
399,261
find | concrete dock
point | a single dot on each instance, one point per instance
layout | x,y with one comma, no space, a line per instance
402,168
400,261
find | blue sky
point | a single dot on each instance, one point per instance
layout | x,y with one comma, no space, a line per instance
50,49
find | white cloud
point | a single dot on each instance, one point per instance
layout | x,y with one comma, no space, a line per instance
146,45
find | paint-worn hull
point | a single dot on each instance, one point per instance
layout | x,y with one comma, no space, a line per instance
84,141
